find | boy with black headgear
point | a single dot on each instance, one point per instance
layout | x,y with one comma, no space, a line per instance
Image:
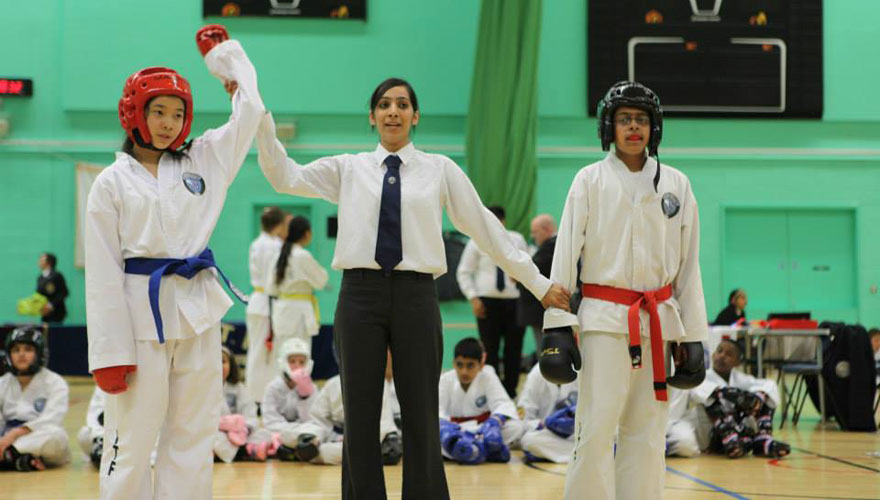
33,402
634,226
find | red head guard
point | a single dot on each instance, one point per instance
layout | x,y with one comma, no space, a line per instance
145,85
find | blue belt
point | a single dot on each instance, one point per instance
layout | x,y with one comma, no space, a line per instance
11,424
187,268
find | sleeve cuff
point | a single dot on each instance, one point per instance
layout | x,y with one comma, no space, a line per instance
539,286
217,59
557,318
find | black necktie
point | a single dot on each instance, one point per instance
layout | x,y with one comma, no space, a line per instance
389,245
499,278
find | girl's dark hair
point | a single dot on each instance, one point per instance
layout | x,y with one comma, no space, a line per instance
297,228
234,376
391,83
733,294
51,260
128,148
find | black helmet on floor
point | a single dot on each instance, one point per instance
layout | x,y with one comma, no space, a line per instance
636,95
32,335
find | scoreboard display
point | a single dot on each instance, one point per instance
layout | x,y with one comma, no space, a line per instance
16,87
331,9
711,57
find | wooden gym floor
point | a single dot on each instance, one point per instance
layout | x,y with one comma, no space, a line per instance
825,464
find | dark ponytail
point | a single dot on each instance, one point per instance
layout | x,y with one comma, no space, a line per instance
297,228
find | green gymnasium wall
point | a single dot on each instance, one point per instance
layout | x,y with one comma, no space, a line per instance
319,73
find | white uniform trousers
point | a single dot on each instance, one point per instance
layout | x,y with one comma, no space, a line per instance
681,439
86,436
545,444
49,444
330,450
261,366
177,389
613,395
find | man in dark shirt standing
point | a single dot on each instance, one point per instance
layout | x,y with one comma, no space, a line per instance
51,284
529,310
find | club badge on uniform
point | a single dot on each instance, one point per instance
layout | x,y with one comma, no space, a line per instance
39,404
50,288
232,401
481,401
194,183
670,205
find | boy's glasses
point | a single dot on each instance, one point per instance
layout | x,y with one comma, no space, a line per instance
642,121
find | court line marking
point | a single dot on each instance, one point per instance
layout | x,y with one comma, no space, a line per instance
835,459
669,469
267,481
774,495
706,483
533,466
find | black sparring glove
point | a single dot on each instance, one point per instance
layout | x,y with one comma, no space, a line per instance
690,368
560,358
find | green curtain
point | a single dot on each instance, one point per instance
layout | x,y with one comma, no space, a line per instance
503,113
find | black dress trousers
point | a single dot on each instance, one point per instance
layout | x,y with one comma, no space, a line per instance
378,310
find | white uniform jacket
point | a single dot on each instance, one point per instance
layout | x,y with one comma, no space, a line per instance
259,260
541,397
41,406
303,275
428,183
738,380
282,405
477,275
485,394
629,236
237,401
132,214
328,413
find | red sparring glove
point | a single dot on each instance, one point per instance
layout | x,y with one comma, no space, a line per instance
112,379
210,36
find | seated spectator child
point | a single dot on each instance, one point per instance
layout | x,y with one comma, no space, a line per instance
478,420
328,417
33,402
548,411
91,435
239,435
288,400
739,408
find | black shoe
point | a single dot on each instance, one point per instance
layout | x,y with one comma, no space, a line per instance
97,451
306,448
286,454
392,449
13,460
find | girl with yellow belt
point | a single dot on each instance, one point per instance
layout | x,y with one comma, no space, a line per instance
293,281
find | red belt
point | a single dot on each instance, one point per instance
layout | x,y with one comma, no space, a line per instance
482,417
639,300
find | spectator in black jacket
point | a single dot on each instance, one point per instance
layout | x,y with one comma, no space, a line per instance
735,312
51,284
529,311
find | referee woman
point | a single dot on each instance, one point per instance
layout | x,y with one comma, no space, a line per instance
390,248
